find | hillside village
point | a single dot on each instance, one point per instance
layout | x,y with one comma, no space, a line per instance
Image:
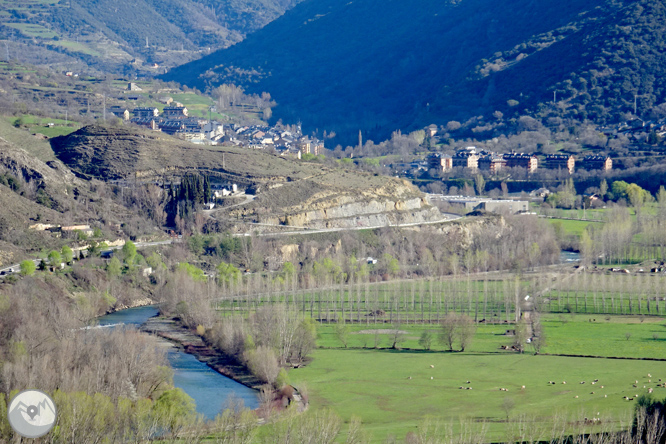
175,120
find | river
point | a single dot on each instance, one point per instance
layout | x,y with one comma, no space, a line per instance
567,257
209,389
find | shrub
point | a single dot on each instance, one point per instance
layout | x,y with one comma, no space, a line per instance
28,268
263,364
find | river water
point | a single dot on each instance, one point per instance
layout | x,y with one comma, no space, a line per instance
567,257
209,389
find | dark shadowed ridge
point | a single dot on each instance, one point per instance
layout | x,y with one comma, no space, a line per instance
379,65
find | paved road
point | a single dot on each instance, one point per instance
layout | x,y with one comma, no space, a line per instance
450,217
16,268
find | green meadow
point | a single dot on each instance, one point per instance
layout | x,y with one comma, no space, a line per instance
394,390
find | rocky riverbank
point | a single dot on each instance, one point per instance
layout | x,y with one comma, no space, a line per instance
193,344
134,304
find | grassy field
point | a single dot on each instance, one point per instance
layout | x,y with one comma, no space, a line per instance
32,30
36,147
39,125
574,227
375,384
565,334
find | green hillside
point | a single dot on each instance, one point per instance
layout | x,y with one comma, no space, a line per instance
382,65
128,36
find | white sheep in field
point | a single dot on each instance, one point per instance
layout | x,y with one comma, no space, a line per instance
522,387
564,382
432,366
432,377
649,375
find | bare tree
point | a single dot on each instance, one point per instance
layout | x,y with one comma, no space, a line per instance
449,329
263,364
342,332
397,336
466,331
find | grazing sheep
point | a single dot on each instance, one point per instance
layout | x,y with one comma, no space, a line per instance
564,382
649,380
592,393
461,387
409,377
649,390
469,388
432,366
605,396
468,382
522,387
649,375
582,382
432,377
593,382
596,380
576,396
602,386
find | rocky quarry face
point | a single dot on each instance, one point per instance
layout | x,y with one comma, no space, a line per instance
346,210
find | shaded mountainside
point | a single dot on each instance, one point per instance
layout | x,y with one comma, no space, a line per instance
290,192
381,65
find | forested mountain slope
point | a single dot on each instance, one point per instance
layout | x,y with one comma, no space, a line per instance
109,33
380,65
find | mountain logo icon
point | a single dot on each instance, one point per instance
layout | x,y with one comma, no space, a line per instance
32,413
